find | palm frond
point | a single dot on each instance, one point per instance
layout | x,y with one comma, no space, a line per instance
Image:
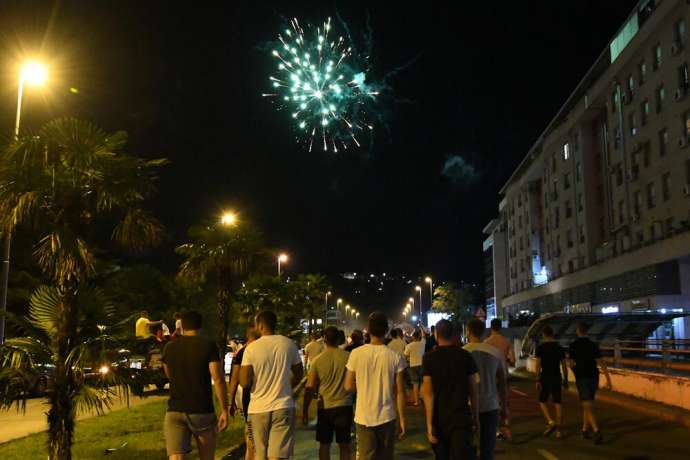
90,399
138,231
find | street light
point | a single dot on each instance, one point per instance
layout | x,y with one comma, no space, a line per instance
228,219
419,289
282,258
327,294
431,291
32,73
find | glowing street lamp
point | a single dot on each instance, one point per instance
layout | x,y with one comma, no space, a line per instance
282,258
431,290
419,289
32,73
327,294
228,219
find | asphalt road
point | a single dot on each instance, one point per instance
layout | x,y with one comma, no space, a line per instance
16,424
627,435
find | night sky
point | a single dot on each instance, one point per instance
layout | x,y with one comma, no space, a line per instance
186,81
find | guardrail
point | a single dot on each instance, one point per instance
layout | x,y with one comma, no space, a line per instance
663,355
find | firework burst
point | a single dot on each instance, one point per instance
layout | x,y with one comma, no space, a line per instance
322,86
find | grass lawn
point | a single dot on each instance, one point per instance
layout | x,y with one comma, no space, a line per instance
140,427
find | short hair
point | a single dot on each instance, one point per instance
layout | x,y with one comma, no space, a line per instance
331,335
357,336
433,328
416,334
252,333
378,324
547,331
496,324
394,333
476,327
154,329
316,335
191,320
177,315
268,319
582,328
144,313
444,329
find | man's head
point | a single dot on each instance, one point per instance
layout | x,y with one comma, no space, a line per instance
177,315
252,334
331,335
157,330
475,328
315,336
547,332
378,324
496,324
433,329
144,314
266,322
191,321
394,333
416,335
444,331
581,329
357,337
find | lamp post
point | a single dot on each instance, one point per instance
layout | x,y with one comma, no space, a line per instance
421,314
228,219
431,291
282,258
35,74
327,294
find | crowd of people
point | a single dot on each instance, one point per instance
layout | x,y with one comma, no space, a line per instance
362,387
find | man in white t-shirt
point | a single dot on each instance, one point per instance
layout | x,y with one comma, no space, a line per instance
414,353
266,368
397,343
375,372
313,349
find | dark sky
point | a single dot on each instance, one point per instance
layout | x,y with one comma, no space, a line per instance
185,82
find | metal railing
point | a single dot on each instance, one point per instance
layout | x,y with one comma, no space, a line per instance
668,356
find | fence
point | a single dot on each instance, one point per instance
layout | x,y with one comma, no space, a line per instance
667,356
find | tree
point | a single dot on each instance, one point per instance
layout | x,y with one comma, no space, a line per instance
309,292
458,301
71,183
222,254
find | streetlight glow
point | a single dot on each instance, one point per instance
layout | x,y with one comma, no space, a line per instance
228,218
34,73
283,258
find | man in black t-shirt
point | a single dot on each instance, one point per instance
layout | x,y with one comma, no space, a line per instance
585,360
448,384
550,360
190,362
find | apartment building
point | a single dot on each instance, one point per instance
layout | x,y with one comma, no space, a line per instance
597,215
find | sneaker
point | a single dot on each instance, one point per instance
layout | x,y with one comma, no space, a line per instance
550,428
586,434
598,437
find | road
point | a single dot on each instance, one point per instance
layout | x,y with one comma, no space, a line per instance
16,424
627,435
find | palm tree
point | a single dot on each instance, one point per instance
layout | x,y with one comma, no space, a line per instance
222,254
69,182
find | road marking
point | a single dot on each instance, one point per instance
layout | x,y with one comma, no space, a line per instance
518,392
546,454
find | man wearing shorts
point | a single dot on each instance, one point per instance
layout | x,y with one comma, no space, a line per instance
327,377
550,360
190,363
585,359
414,353
266,368
252,335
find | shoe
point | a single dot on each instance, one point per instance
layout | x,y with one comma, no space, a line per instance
550,428
586,434
598,437
559,434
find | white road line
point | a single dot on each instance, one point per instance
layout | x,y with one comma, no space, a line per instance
518,392
546,454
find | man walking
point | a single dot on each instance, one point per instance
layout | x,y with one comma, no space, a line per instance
266,368
375,372
397,343
327,378
252,335
550,360
448,384
190,363
585,357
493,391
414,352
313,349
430,340
356,340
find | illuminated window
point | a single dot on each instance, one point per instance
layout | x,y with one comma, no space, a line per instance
631,83
660,98
683,77
642,72
680,31
632,121
566,151
663,142
656,57
645,112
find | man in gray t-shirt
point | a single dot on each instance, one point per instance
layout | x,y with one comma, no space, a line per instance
493,391
326,377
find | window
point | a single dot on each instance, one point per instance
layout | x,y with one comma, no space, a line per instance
683,77
569,237
578,172
619,176
645,112
656,57
582,234
632,121
666,186
668,224
660,98
556,218
566,151
568,210
640,237
558,246
617,137
571,266
615,99
637,202
680,31
621,212
566,181
580,202
663,142
553,163
520,221
642,72
651,195
687,124
554,190
631,83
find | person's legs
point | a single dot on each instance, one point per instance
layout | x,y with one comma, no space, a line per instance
345,452
259,426
324,451
366,443
385,440
324,432
588,415
281,438
488,423
545,410
178,436
206,443
249,452
460,444
342,423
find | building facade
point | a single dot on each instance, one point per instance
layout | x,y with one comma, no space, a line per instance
597,215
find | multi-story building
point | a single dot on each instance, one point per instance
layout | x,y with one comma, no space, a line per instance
597,215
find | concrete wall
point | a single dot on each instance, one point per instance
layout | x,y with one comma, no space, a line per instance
665,389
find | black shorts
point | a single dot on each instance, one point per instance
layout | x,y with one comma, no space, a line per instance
550,387
587,387
336,420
